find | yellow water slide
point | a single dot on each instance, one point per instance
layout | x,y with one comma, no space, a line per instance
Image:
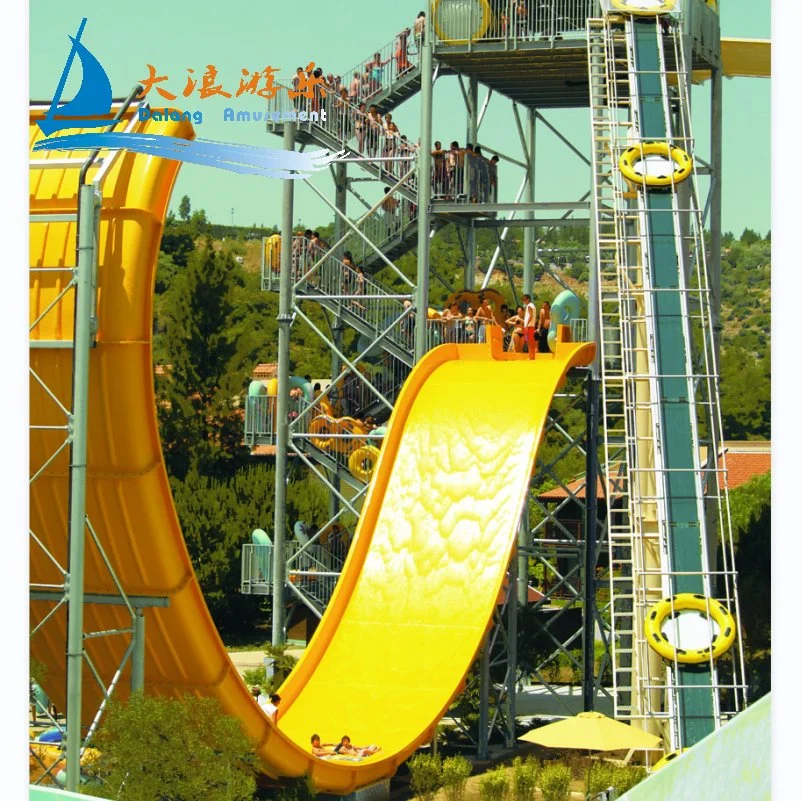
431,548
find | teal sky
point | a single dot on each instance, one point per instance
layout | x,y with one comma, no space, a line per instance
125,37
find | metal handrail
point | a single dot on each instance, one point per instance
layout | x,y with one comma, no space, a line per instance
514,21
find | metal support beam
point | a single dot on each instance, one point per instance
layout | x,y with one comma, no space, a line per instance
340,196
529,233
283,390
512,648
424,196
135,601
472,136
138,655
591,530
482,749
716,134
88,201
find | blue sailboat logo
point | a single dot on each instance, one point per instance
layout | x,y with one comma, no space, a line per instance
91,106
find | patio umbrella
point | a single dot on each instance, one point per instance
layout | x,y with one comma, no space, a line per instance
591,731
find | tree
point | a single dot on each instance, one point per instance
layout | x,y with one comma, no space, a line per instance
184,209
749,237
166,749
196,412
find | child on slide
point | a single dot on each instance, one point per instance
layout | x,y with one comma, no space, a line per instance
345,747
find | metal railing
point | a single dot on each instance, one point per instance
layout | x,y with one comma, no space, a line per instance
512,21
374,75
312,567
336,122
320,275
464,175
385,228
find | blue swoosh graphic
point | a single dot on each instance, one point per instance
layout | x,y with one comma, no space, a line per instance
244,159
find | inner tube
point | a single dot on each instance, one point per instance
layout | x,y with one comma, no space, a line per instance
362,461
632,155
669,607
661,763
348,425
323,425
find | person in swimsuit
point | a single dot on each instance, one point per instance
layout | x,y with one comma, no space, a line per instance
322,750
516,322
345,747
543,325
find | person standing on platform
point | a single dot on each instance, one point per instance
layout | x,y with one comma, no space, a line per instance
530,325
544,323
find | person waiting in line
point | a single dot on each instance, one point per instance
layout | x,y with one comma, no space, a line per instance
450,316
419,28
516,323
390,208
375,131
484,316
322,750
359,289
530,325
345,747
452,161
401,45
469,324
438,169
271,708
492,179
470,173
360,126
481,165
544,323
343,110
347,272
377,72
353,89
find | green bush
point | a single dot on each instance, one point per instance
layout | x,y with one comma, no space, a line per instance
524,778
493,786
456,770
427,775
555,783
600,777
625,778
168,748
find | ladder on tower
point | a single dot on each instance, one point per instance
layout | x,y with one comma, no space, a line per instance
659,377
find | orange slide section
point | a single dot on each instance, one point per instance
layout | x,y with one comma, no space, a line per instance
430,551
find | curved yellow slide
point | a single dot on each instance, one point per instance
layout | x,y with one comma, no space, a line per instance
430,551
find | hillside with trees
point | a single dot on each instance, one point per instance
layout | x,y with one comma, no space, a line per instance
213,324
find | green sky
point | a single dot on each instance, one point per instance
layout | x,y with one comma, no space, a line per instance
174,37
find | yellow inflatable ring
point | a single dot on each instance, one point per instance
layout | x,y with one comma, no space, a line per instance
664,609
349,426
644,8
661,763
322,424
632,155
357,462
